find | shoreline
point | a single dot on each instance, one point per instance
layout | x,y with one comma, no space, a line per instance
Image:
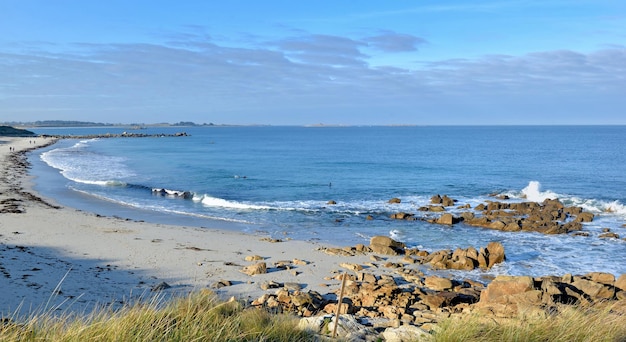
60,258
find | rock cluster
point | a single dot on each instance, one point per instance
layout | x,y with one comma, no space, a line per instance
549,217
383,305
390,298
460,259
507,296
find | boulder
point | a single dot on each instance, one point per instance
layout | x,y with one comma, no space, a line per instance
394,200
405,333
448,219
594,291
259,268
386,245
584,217
503,289
438,283
447,201
495,253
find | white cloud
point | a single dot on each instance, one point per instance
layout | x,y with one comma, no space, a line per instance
303,79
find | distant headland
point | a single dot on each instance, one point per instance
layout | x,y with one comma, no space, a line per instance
72,123
8,131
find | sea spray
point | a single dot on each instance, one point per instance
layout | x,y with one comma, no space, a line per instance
533,193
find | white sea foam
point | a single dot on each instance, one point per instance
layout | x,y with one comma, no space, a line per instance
533,192
80,165
210,201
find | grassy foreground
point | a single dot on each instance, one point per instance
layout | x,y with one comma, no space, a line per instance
567,323
201,316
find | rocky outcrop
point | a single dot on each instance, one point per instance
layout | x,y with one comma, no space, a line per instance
507,296
549,217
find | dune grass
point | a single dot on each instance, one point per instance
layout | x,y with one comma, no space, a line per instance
200,316
567,323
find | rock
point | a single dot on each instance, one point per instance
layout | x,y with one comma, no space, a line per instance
386,245
595,291
292,286
447,218
503,288
601,277
436,208
495,252
584,217
394,200
447,201
301,299
221,283
160,287
405,333
266,285
620,283
351,266
253,258
259,268
438,283
347,325
331,202
609,235
299,262
436,199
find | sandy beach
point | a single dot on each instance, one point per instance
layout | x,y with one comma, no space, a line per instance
60,259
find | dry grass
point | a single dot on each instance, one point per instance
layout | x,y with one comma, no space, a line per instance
567,323
197,317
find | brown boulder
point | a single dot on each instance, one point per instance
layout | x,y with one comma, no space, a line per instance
495,252
386,245
438,283
504,289
394,200
584,217
448,219
594,291
259,268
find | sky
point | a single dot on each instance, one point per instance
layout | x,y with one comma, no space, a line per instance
447,62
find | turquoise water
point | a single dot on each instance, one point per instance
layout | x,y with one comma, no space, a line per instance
277,181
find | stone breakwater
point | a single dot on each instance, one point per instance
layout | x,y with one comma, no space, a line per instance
390,298
116,135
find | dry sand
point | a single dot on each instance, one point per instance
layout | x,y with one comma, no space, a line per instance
60,259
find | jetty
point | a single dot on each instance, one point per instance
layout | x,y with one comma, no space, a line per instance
116,135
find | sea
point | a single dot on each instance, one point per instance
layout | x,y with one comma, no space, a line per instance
277,181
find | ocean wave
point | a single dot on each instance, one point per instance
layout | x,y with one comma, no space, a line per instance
81,165
532,192
210,201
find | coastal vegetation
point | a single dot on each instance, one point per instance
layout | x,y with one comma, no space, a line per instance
8,131
202,316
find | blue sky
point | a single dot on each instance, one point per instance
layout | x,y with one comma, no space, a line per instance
309,62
